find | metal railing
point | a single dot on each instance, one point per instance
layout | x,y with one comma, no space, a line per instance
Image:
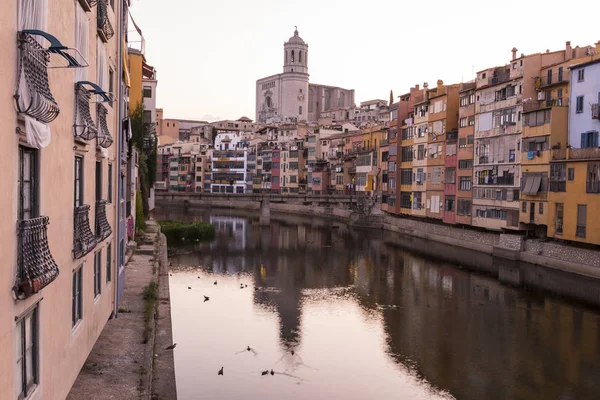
36,266
84,240
103,229
105,29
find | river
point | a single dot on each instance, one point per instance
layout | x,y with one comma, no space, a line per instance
365,320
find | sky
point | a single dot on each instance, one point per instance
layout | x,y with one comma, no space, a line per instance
209,53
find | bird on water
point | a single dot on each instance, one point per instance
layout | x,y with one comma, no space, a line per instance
265,373
272,373
215,283
220,371
206,298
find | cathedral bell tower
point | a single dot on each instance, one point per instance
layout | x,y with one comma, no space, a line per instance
295,58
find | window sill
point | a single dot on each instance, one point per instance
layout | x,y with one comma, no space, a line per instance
75,328
32,392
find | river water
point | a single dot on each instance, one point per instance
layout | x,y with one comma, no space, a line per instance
365,321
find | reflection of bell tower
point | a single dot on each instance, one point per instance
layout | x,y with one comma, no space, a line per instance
295,58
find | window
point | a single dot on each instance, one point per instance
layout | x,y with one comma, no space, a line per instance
465,164
581,220
524,207
199,178
449,204
27,353
537,118
450,175
421,154
417,200
463,207
462,143
464,101
299,110
109,193
98,273
147,92
483,75
589,139
541,211
558,177
581,75
514,65
592,180
579,105
436,175
77,301
463,122
109,263
465,182
391,183
28,183
98,180
78,181
407,153
405,200
406,176
571,173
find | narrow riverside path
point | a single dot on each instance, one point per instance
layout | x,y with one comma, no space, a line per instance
120,365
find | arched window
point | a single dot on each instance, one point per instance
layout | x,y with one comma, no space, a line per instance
300,56
299,110
292,55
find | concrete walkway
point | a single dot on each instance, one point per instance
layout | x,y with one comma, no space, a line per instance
120,365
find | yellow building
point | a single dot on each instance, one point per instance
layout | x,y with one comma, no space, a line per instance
574,195
136,61
544,127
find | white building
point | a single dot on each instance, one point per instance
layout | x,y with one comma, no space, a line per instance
288,97
229,163
584,108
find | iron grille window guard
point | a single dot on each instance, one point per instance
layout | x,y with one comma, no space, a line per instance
87,4
84,240
36,266
105,29
103,229
35,99
84,126
104,137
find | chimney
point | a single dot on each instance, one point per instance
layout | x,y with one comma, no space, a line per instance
425,89
417,85
514,53
440,84
568,51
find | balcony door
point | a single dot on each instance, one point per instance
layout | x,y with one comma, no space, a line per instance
28,183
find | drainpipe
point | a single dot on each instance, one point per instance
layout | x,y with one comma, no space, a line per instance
118,143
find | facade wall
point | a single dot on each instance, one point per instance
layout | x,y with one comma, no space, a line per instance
581,122
62,348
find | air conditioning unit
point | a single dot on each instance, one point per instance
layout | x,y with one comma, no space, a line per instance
541,96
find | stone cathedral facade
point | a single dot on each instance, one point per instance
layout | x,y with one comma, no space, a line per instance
289,97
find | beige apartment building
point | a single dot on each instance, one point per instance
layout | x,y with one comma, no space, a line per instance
62,170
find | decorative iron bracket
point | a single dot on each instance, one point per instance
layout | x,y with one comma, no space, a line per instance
61,56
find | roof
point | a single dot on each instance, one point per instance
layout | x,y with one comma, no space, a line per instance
593,60
244,119
295,39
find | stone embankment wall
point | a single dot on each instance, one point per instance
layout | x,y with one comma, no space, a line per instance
512,247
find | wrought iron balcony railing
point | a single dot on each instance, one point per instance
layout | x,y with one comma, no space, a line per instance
87,4
104,137
84,240
33,96
105,29
103,229
36,266
84,126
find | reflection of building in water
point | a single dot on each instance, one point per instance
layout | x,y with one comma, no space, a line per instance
232,228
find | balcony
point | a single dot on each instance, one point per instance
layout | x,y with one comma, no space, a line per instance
352,170
548,81
84,240
384,142
36,266
105,29
588,153
104,138
452,135
103,229
84,127
596,111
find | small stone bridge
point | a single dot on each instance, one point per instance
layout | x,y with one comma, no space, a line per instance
357,210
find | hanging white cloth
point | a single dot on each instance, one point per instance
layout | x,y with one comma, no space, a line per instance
38,134
104,152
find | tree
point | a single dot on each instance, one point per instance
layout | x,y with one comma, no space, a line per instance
143,137
391,97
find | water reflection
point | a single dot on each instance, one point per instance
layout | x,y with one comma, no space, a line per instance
366,320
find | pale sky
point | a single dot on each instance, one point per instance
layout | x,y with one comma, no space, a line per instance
209,53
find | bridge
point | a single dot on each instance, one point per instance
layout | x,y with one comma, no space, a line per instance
357,210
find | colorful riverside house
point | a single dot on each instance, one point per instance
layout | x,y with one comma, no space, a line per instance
574,197
464,173
419,156
276,172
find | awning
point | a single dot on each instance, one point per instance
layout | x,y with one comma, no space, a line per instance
532,185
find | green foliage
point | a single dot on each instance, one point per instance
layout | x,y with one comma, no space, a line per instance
150,295
143,136
178,232
139,211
